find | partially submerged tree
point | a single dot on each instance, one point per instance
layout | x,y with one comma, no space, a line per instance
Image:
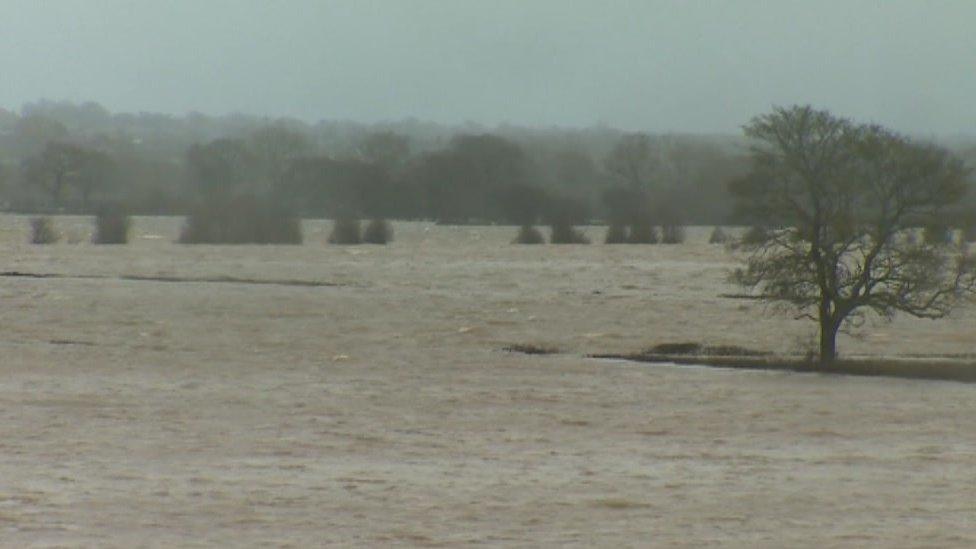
562,214
112,225
629,216
522,204
834,198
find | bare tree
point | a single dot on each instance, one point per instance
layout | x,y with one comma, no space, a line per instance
836,200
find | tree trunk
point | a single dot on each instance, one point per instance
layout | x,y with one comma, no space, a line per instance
828,333
828,340
828,344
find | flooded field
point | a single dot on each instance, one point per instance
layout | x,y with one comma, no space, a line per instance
164,395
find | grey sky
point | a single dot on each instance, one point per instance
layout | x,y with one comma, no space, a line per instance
692,66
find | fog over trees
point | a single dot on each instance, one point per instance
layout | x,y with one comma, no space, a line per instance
66,157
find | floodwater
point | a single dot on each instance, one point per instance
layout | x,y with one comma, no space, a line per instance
163,395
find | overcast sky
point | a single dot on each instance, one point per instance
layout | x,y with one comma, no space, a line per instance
692,66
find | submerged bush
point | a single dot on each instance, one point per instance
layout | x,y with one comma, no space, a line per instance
718,236
42,231
563,233
672,234
562,214
241,220
755,235
378,231
529,235
616,234
642,233
346,231
111,226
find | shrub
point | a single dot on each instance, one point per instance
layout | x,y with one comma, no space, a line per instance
616,234
642,233
718,236
378,231
755,235
241,220
563,233
672,234
529,235
346,230
42,231
111,226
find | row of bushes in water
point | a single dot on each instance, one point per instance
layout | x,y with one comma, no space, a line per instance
270,227
616,234
113,228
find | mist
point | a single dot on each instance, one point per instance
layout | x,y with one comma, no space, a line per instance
699,67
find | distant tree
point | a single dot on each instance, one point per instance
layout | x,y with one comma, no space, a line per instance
521,203
220,165
34,132
96,172
273,149
836,199
8,121
54,169
385,149
69,173
672,223
574,168
85,117
562,214
633,160
461,182
338,188
629,207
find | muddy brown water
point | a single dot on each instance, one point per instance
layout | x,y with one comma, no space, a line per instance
143,404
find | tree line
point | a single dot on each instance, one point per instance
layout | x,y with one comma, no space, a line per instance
63,157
